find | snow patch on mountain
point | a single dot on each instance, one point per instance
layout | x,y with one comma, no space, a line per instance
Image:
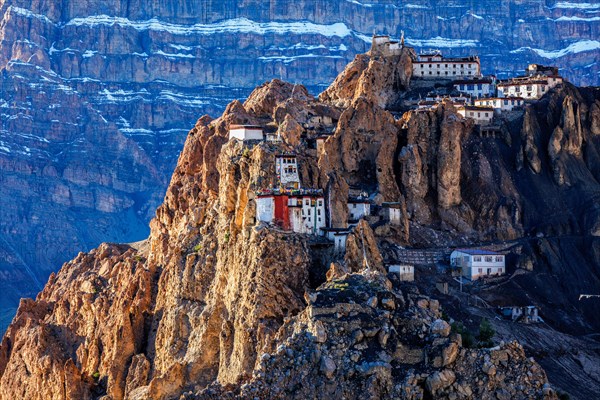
442,42
574,48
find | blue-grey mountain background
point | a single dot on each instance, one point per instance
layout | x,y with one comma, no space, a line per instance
96,98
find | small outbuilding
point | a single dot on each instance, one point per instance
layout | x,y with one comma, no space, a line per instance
246,132
404,271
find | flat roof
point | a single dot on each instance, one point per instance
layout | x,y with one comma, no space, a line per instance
498,98
476,108
471,81
479,252
236,126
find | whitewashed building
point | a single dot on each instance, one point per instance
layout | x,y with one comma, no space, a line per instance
307,214
301,211
501,104
338,236
286,166
392,212
481,115
478,87
358,207
528,87
405,272
436,66
527,314
476,263
245,132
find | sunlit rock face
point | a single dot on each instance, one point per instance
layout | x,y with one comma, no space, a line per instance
96,97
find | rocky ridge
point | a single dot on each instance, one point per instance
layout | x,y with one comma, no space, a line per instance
215,305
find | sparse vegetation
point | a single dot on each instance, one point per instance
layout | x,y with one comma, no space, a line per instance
227,237
96,375
468,340
198,247
486,333
246,152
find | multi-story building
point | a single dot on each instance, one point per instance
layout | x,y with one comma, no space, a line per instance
286,167
301,210
500,104
435,66
477,87
481,115
476,263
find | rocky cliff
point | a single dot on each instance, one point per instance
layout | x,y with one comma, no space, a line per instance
125,81
216,305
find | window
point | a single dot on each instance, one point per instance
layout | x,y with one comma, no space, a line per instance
429,72
488,258
320,203
543,88
477,258
480,270
446,65
446,72
498,258
306,202
478,114
486,114
439,65
471,87
319,211
480,86
529,88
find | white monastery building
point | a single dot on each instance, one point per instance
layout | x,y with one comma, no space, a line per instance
301,211
246,132
500,104
536,83
481,115
478,87
338,236
476,263
435,66
358,207
392,212
405,272
286,166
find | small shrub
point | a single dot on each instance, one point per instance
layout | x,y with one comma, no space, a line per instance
468,340
226,237
198,247
486,333
96,375
563,396
246,152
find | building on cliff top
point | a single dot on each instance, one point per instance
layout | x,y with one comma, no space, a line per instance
477,263
435,66
481,115
392,212
500,104
526,315
404,271
298,210
246,132
338,236
358,207
286,167
530,87
477,88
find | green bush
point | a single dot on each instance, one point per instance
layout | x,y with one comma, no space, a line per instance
226,237
198,247
486,333
96,375
468,340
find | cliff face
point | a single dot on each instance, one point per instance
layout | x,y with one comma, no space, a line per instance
110,80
